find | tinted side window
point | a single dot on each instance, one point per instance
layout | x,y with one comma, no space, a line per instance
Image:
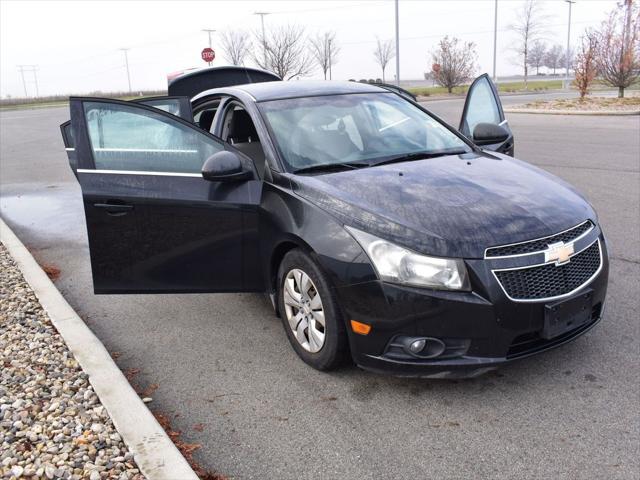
482,106
131,138
67,135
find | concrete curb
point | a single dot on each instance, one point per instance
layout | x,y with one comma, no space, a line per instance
154,452
572,112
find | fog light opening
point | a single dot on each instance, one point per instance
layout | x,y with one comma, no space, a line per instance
424,347
417,345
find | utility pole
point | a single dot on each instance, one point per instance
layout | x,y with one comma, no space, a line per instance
209,31
495,39
568,52
34,69
24,84
397,47
126,62
264,40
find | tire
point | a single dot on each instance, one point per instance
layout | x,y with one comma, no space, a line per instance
300,307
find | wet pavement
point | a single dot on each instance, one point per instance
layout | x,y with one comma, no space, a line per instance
223,361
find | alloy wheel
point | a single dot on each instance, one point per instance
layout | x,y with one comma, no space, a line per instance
304,310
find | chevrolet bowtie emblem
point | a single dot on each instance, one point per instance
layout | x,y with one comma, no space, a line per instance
559,252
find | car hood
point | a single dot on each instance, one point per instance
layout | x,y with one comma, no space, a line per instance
453,206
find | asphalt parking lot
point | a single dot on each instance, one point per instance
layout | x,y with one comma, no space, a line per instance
223,361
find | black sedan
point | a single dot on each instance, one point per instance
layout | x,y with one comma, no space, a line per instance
382,234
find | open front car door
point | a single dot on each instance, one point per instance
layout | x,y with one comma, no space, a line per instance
154,223
483,119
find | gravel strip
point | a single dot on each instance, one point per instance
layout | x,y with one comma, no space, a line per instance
52,424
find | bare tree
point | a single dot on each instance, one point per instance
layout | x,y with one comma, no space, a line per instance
552,58
325,51
529,27
285,52
619,46
536,55
454,62
384,52
563,57
235,45
586,64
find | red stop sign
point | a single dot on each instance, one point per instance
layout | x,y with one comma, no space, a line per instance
208,54
436,67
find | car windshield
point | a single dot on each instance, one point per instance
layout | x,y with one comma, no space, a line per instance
354,129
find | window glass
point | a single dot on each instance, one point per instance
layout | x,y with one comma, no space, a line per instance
126,137
169,105
354,128
68,135
482,106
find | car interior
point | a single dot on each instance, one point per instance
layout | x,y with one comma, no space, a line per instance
204,118
239,130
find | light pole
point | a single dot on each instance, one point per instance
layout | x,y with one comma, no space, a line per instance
397,47
209,31
568,52
495,39
126,62
264,40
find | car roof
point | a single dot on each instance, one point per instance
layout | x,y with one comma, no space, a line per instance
278,90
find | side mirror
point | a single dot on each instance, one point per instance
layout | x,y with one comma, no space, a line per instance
489,133
224,167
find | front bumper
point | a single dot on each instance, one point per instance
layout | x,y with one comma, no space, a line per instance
495,328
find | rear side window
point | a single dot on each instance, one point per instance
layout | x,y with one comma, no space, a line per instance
131,138
67,135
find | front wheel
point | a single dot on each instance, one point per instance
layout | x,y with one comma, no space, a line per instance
309,312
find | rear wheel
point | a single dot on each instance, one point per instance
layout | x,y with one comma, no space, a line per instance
309,312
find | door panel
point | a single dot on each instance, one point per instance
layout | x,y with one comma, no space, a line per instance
154,224
483,105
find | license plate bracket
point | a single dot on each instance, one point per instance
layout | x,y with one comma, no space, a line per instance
565,315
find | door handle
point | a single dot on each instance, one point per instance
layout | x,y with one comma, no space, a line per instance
114,209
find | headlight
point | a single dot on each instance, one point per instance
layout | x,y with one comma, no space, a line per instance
398,265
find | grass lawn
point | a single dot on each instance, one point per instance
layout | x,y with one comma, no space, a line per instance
509,87
534,86
62,100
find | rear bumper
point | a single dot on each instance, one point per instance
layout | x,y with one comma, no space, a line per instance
495,329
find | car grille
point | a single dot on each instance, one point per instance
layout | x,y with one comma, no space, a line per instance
551,280
539,244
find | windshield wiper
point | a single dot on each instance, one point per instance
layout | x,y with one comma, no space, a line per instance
326,167
407,157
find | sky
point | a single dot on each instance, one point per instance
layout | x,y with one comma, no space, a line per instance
76,44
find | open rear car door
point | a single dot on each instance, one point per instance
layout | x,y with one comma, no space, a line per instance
483,119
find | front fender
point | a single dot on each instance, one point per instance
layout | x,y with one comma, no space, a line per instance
289,220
